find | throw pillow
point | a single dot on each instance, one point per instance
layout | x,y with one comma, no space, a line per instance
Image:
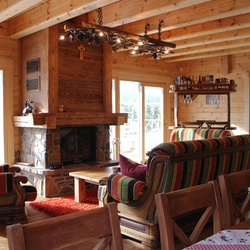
132,169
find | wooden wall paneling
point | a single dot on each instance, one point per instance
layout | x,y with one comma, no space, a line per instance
80,86
33,47
139,69
224,65
9,51
247,103
167,109
199,109
239,63
107,78
52,63
7,65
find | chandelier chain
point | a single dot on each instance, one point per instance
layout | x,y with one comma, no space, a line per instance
146,29
100,17
86,17
159,29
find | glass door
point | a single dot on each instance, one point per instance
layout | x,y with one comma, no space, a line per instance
130,135
153,117
144,129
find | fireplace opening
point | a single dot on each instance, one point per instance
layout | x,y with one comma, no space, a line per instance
77,144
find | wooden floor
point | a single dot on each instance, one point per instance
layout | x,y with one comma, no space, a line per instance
34,215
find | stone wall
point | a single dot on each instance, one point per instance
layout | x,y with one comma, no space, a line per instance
41,147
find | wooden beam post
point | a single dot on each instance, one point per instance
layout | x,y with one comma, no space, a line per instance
247,103
107,78
224,65
53,69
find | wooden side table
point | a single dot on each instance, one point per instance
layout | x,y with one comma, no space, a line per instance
89,176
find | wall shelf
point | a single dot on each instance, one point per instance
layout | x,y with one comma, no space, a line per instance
203,89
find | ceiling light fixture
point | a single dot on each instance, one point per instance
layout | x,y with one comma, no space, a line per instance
120,40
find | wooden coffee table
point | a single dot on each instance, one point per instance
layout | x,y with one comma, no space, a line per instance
92,176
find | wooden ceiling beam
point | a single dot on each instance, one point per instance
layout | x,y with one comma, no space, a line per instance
213,38
202,29
209,54
127,11
10,8
51,13
200,13
209,47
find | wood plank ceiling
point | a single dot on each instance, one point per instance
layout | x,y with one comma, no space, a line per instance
200,28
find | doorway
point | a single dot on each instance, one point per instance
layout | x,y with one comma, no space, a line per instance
144,103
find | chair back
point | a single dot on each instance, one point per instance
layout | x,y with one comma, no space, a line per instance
71,231
170,205
231,184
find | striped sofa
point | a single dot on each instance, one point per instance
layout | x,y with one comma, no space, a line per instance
13,195
187,134
172,166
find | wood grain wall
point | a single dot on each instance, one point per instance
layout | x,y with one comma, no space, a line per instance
138,69
32,47
80,82
238,67
9,49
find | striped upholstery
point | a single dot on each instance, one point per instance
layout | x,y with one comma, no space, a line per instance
187,173
187,134
102,192
31,192
6,183
4,168
125,189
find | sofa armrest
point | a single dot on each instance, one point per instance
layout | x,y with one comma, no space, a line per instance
15,169
125,189
103,181
21,178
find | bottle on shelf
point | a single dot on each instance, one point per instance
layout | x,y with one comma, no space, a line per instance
203,81
181,88
189,83
199,82
227,82
185,82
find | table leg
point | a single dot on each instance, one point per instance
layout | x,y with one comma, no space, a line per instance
80,192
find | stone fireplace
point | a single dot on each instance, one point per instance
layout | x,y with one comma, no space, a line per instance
40,149
73,92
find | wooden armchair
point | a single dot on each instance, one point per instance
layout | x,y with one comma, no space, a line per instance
182,201
71,231
229,185
13,195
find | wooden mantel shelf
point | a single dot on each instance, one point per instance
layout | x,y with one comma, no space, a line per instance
51,120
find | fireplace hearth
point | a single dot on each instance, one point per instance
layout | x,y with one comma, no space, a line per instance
42,148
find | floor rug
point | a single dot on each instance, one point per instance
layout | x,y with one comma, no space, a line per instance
66,204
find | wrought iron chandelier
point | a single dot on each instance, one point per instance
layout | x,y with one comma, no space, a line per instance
120,40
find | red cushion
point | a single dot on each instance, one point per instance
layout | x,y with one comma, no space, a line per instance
132,169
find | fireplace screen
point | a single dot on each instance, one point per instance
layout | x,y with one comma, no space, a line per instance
77,144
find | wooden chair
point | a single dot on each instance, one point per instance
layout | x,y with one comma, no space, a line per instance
172,204
231,184
69,231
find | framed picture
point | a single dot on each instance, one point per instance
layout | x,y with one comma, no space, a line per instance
33,84
33,66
